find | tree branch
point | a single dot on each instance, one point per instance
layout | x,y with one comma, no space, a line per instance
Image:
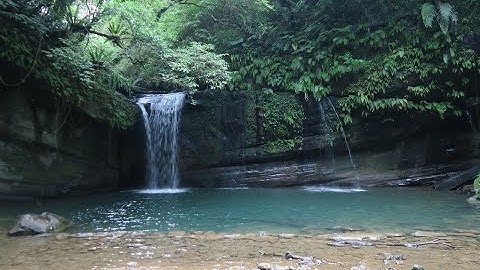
174,3
85,29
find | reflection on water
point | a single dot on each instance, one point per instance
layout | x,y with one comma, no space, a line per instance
162,191
254,210
333,189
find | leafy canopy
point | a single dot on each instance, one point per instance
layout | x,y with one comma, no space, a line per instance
374,56
86,51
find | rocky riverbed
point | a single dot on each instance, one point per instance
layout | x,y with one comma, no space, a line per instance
209,250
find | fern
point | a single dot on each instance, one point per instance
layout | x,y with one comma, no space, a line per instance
444,12
428,14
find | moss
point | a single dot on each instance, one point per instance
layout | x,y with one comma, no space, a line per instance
282,145
476,186
274,120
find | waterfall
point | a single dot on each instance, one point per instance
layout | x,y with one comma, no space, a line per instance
161,117
324,125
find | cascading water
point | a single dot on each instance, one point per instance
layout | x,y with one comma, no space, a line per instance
325,131
322,105
161,116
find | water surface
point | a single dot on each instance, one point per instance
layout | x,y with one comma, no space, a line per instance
299,210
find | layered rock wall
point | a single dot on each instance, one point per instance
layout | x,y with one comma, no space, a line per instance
227,140
49,149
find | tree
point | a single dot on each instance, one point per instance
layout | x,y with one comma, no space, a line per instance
374,56
86,51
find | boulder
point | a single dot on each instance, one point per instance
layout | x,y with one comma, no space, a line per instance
467,190
474,200
458,179
31,224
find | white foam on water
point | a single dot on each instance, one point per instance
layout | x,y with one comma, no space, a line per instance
333,189
163,191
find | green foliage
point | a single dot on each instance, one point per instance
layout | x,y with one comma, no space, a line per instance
429,13
148,56
476,186
189,67
226,23
282,145
274,120
87,52
72,76
444,12
376,56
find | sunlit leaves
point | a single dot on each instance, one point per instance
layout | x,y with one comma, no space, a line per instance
443,12
429,13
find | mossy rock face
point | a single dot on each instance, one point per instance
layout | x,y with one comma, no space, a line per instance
274,121
50,151
223,128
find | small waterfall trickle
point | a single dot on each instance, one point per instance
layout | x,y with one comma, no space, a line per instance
325,131
470,121
323,103
161,116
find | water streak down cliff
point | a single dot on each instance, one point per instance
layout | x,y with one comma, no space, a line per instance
161,116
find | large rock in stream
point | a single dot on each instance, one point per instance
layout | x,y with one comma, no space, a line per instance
31,224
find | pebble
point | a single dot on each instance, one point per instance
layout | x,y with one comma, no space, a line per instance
428,234
232,236
237,268
84,235
360,266
397,258
287,235
264,266
62,236
132,265
352,243
417,267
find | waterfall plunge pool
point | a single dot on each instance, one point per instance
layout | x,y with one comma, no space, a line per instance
288,210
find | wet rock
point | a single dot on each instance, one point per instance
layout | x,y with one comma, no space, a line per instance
458,179
360,266
428,234
304,260
132,265
474,200
389,257
237,268
394,234
468,190
417,267
358,237
87,235
286,235
62,236
232,236
350,243
264,266
31,224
